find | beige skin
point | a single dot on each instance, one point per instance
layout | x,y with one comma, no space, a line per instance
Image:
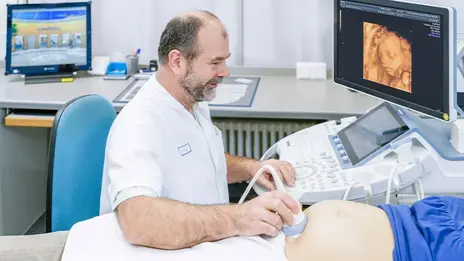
387,58
343,230
154,222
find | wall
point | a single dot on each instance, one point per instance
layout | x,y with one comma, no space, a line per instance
275,33
130,25
289,31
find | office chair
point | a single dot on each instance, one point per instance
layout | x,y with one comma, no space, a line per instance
76,156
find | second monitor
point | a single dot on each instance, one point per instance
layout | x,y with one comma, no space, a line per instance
403,53
44,39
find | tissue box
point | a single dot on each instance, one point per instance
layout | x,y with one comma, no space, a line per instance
457,135
116,69
312,71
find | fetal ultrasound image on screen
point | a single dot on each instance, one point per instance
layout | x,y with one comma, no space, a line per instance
387,57
49,37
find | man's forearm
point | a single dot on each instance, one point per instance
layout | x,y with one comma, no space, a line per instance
166,224
239,168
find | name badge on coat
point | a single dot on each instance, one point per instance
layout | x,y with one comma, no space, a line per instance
184,149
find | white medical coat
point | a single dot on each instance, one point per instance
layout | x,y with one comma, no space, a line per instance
155,143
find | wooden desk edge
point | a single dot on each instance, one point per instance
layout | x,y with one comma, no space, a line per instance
17,120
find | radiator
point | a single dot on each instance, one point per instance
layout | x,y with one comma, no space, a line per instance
251,138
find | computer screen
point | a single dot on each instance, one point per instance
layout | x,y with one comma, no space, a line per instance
371,132
399,52
44,36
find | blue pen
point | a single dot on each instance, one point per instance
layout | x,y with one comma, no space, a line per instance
138,51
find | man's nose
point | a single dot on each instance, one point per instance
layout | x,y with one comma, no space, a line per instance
224,71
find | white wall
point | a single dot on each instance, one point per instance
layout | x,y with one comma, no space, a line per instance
294,30
140,25
289,31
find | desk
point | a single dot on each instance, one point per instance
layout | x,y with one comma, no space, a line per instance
280,95
24,142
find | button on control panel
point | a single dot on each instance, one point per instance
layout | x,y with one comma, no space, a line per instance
340,151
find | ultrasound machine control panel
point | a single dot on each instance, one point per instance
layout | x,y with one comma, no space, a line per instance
381,152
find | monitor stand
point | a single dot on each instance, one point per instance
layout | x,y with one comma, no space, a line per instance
49,78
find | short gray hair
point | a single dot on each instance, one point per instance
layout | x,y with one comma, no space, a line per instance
181,33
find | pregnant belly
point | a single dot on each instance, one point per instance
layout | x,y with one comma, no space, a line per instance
343,230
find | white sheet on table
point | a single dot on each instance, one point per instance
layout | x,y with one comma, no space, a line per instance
100,238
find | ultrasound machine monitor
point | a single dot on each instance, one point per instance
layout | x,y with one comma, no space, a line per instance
48,38
400,52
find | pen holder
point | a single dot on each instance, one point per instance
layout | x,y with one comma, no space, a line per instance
132,64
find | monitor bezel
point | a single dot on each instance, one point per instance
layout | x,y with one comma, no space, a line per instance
449,53
46,69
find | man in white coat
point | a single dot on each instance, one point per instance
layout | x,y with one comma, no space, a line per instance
166,174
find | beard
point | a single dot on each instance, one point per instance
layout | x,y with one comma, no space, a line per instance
198,89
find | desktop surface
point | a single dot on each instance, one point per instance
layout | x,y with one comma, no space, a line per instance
278,96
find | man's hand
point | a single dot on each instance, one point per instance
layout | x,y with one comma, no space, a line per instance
266,214
284,169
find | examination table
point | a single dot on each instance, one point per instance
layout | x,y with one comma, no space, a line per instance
42,247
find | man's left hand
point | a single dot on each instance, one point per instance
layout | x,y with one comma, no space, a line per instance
284,169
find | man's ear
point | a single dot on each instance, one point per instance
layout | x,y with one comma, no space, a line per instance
175,62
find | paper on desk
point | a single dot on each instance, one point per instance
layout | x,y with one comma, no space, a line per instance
229,93
243,80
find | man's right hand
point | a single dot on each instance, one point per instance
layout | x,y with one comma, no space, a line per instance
266,214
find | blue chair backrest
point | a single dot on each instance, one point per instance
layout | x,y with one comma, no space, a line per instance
77,150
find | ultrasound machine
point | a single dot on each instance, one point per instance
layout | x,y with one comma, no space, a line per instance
405,55
48,42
